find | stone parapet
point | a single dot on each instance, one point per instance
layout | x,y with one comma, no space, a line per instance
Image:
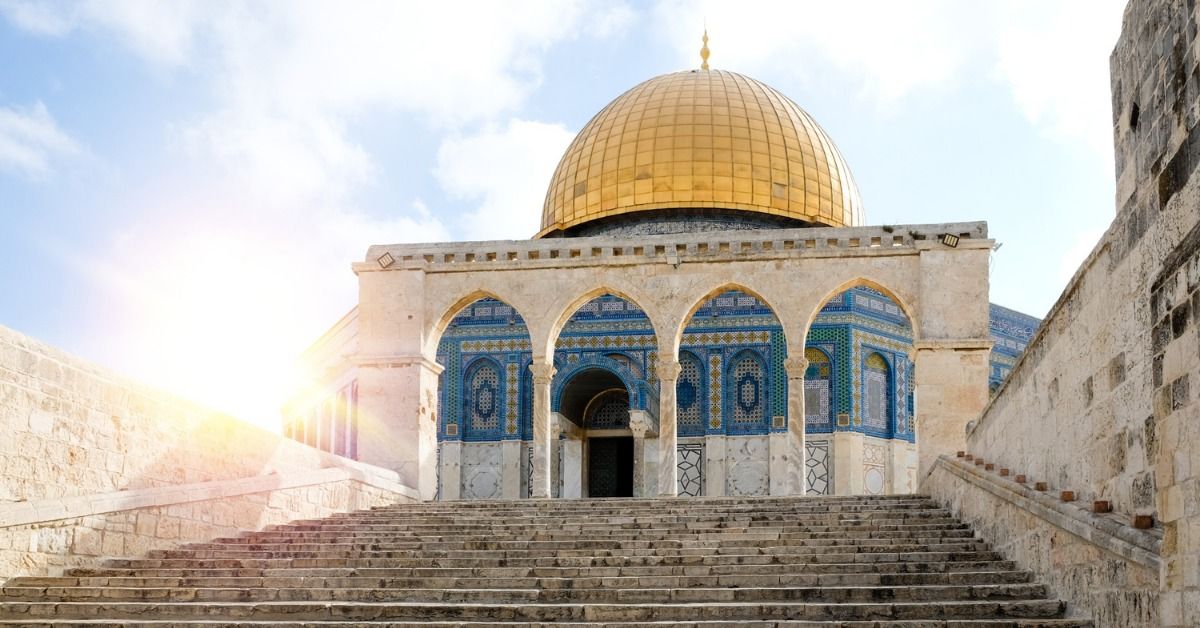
671,248
1102,568
48,536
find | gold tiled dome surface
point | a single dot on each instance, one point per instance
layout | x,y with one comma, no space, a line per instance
702,139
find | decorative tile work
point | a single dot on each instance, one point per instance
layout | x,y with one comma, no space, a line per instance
482,401
689,395
511,399
714,392
818,407
818,467
747,398
690,458
609,412
878,406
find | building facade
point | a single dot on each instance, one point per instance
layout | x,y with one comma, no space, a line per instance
703,180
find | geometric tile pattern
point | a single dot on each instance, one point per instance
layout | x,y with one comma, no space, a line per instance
818,467
690,458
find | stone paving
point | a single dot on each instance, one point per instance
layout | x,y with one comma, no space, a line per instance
836,561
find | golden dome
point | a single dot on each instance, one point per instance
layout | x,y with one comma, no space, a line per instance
702,139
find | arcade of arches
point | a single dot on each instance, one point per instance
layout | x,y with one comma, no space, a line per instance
703,313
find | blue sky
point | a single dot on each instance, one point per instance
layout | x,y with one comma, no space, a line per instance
184,184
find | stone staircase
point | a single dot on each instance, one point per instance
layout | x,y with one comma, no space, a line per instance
841,561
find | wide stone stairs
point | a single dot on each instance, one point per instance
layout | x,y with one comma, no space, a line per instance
844,561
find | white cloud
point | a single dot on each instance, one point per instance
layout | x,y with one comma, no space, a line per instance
162,32
30,140
507,169
1053,56
893,47
244,258
1057,67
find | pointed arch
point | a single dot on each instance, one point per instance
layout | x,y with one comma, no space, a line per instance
713,293
571,307
438,330
903,303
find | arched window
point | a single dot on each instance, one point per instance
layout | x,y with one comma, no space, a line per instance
749,394
818,390
689,396
877,386
608,410
482,401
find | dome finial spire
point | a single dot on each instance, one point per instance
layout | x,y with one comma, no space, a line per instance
704,50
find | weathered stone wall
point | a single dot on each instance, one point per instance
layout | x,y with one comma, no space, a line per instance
48,547
1102,569
1102,402
93,464
71,428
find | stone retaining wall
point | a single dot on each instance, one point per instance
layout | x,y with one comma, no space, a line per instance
85,528
1101,567
93,464
1101,402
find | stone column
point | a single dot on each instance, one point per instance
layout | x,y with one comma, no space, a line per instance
639,428
572,458
543,436
668,432
951,390
795,366
451,472
398,418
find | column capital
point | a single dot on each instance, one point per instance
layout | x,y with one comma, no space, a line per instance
668,370
542,373
795,366
642,424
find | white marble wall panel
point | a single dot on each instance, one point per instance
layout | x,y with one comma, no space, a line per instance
875,473
747,466
482,471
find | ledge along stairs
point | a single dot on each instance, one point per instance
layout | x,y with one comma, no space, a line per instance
813,561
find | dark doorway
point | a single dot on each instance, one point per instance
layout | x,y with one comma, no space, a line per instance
610,467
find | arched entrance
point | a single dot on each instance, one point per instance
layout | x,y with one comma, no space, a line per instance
598,445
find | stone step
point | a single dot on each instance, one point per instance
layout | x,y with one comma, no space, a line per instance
354,535
561,561
398,541
952,623
545,524
857,561
526,582
568,572
534,612
832,595
563,548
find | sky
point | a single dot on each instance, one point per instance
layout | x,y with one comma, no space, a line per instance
184,184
